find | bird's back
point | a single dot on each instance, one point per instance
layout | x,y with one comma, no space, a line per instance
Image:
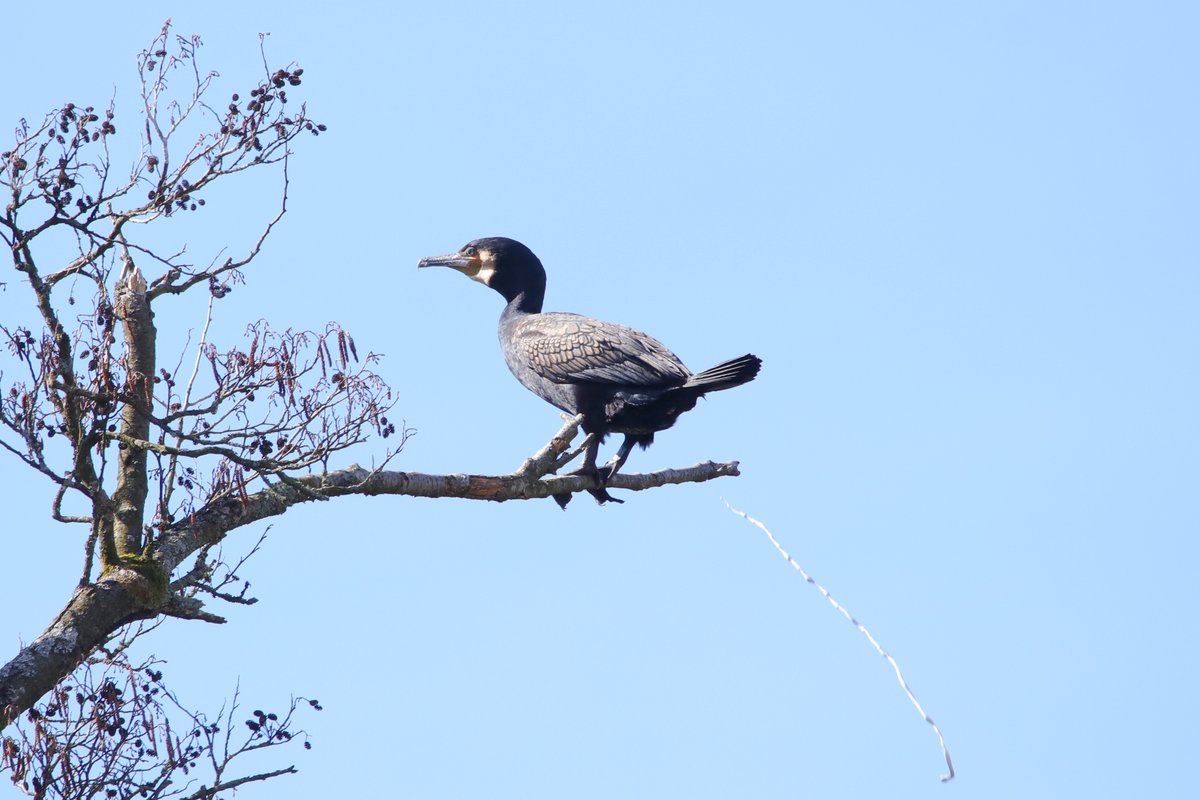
573,350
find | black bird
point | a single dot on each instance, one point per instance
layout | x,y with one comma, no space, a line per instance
621,380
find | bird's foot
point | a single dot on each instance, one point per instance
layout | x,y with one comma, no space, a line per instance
601,494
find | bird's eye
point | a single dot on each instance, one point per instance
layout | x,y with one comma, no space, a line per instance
470,252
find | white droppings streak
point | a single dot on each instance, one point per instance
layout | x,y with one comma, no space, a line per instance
861,628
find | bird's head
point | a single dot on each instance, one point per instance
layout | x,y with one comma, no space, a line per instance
504,264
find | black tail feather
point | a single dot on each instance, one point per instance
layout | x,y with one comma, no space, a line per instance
726,375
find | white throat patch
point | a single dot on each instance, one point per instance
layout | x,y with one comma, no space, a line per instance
484,276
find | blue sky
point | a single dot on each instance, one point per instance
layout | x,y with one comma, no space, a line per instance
961,237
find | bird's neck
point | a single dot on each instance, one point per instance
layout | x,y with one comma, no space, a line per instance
528,301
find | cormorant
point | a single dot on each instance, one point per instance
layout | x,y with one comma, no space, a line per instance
620,379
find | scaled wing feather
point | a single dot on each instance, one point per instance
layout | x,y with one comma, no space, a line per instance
568,348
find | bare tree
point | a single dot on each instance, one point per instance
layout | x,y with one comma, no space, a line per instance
158,456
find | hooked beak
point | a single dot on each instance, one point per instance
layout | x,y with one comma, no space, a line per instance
464,264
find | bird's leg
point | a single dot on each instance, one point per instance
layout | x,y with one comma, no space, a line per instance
618,460
588,467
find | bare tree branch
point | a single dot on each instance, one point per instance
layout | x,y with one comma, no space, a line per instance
140,591
137,324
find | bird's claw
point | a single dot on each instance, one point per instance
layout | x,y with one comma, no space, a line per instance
601,494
